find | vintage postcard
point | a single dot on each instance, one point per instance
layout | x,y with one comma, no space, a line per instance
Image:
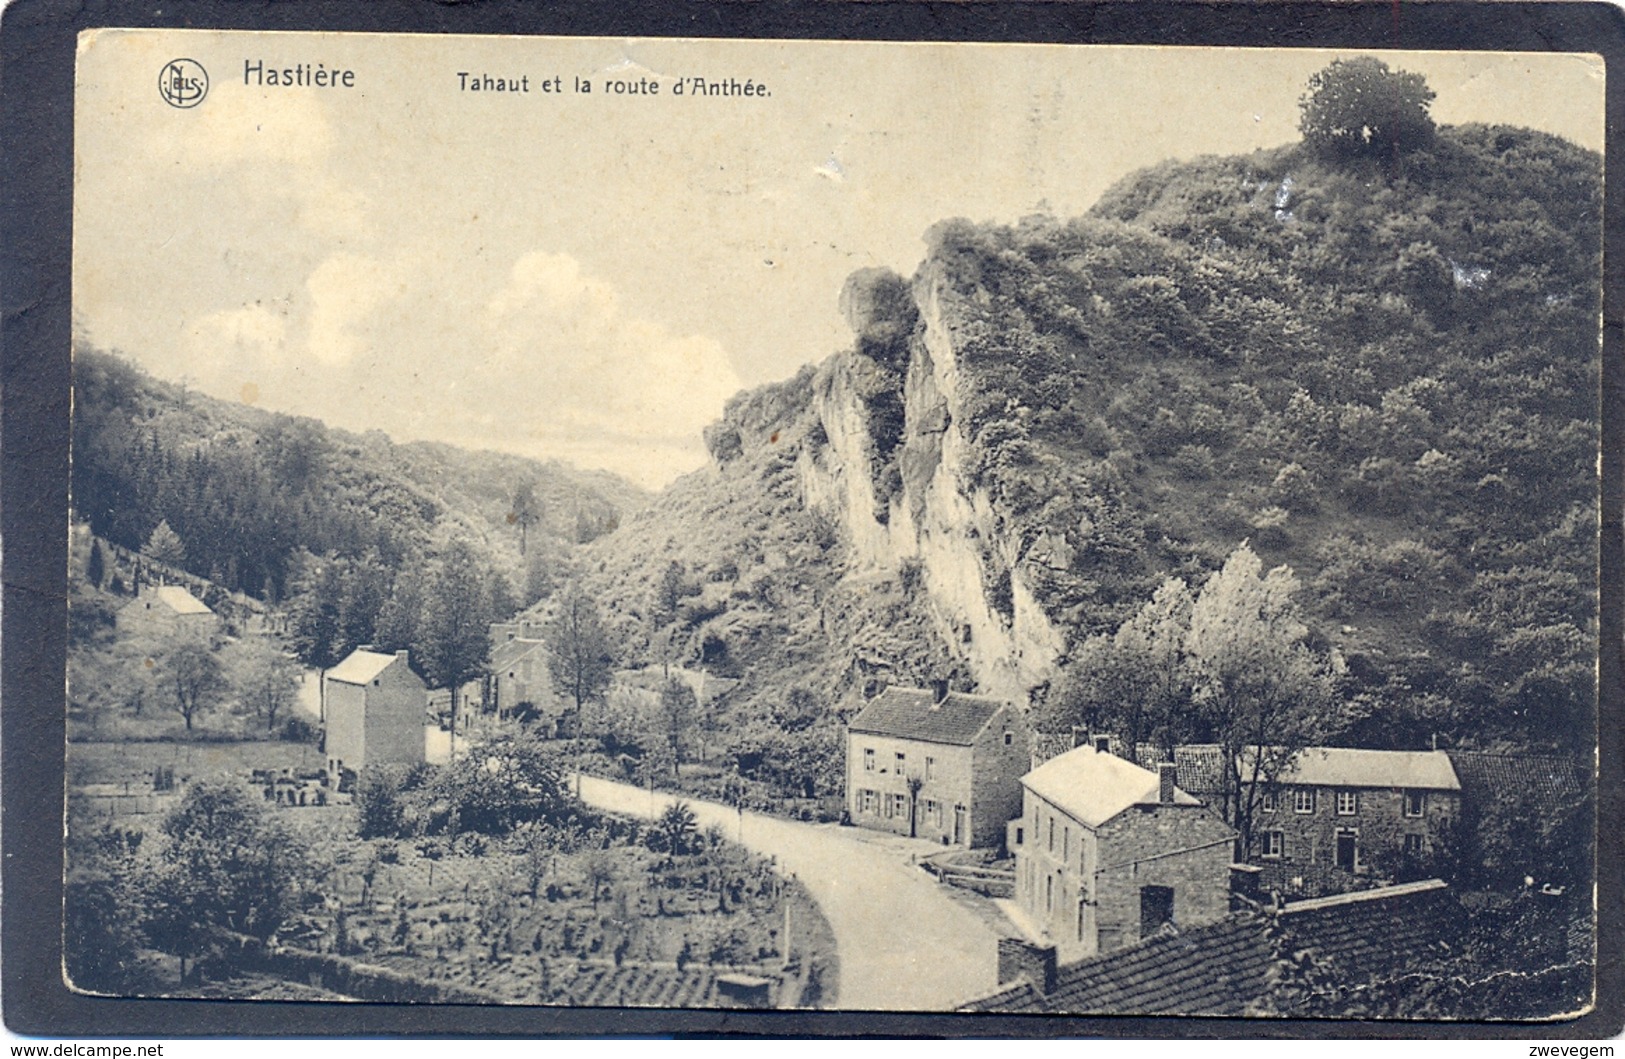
804,525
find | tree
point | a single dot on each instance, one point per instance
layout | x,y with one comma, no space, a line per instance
190,677
1360,107
164,545
104,909
1260,690
1135,683
580,656
267,681
677,709
453,631
96,568
527,512
227,865
675,830
397,625
600,872
503,782
914,782
313,611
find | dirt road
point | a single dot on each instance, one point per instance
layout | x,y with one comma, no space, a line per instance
904,944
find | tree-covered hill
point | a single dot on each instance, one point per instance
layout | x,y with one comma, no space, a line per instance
1374,361
1383,374
249,492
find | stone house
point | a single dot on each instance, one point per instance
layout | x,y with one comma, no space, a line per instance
935,764
1343,808
1108,853
375,713
169,611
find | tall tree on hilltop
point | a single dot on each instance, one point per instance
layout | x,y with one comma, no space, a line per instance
1260,690
454,631
1360,107
579,653
527,512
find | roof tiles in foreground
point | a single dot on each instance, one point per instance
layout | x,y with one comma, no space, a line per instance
1224,968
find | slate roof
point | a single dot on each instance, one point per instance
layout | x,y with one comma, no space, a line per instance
1328,766
1552,783
179,600
1200,765
1094,787
913,713
360,667
1223,968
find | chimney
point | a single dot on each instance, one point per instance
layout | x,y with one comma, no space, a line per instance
1020,958
1167,778
1103,744
403,656
1245,889
939,690
1080,736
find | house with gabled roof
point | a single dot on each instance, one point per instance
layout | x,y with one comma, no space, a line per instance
375,712
1344,808
1108,853
935,764
169,611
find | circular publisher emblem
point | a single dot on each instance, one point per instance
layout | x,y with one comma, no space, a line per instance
183,83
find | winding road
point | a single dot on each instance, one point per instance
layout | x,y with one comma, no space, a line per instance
903,943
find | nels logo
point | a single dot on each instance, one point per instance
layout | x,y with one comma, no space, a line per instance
183,83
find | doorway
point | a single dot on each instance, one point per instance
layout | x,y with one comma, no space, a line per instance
1347,855
1156,908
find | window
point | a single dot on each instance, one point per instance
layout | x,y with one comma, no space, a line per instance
868,800
930,766
1049,893
1052,834
868,759
1274,844
898,805
1348,803
933,813
1009,738
1413,845
900,760
1066,843
1271,800
1303,800
1415,802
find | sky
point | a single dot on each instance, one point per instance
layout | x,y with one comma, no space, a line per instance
589,277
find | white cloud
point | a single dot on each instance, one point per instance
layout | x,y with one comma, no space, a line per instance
345,292
592,376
